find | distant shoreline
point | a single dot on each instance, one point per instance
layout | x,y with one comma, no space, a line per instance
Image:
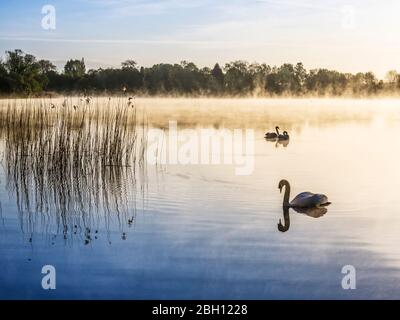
22,75
199,97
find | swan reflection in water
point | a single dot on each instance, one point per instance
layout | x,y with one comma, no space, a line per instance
311,212
310,204
283,143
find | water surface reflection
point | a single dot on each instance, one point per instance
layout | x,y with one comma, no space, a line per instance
200,231
311,212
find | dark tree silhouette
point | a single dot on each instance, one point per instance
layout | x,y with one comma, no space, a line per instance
218,76
75,68
22,74
129,64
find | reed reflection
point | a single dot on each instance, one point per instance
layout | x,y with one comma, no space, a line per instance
74,170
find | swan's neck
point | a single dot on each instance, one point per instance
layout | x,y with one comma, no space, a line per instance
277,131
286,196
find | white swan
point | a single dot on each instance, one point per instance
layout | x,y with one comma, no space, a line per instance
272,135
304,199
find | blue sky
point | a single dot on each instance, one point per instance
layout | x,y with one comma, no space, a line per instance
348,35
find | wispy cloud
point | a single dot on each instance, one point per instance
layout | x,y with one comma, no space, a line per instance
147,7
112,41
210,30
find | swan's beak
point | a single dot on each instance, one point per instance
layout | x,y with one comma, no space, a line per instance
280,189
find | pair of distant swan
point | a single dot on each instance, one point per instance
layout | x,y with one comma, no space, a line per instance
311,204
277,135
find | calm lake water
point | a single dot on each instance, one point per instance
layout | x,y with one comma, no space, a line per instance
202,232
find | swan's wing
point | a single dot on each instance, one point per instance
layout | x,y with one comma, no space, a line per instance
301,200
308,199
271,135
319,199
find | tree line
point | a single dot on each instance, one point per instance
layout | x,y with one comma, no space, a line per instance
24,74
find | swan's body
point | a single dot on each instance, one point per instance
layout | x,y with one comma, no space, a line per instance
308,199
304,199
283,136
272,135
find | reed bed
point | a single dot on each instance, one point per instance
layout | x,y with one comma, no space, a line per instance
74,135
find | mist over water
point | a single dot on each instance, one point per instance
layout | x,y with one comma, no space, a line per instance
126,229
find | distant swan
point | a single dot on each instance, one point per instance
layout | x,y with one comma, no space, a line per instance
302,200
272,135
283,136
